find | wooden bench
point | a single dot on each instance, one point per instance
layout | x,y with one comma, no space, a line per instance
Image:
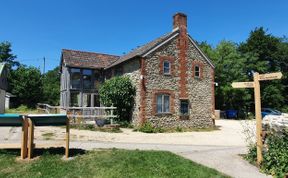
12,120
46,120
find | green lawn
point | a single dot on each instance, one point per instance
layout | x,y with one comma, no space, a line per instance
102,163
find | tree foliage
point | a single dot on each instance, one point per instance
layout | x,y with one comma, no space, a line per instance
261,52
51,87
120,93
7,56
27,85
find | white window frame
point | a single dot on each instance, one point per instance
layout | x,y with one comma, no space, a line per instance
163,104
165,73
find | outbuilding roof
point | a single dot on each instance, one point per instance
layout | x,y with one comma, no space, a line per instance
82,59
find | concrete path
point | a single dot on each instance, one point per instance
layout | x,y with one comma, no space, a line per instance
218,149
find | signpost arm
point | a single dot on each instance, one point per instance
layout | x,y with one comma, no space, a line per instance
258,118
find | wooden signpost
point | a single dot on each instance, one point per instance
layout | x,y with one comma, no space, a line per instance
256,85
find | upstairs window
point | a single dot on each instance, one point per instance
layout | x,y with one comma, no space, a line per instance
75,78
98,79
163,103
166,68
87,78
197,71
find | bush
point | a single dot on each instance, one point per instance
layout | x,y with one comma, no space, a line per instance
120,93
147,127
252,154
275,158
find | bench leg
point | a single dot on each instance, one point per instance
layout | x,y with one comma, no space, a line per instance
24,139
67,138
30,139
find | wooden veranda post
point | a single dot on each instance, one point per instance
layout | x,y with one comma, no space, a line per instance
256,85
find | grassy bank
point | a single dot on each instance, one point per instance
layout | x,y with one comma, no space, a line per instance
103,163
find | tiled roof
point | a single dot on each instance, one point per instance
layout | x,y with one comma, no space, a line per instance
143,49
74,58
83,59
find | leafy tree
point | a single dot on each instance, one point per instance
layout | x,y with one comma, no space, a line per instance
120,93
271,53
6,55
51,87
231,67
27,85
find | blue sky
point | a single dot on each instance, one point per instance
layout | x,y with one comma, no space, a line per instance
41,28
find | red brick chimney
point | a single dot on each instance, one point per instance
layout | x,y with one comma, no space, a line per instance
180,21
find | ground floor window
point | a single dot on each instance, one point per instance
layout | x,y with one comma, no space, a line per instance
163,103
184,107
75,99
91,100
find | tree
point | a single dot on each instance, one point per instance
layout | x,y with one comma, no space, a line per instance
51,87
27,85
120,93
230,66
6,55
269,50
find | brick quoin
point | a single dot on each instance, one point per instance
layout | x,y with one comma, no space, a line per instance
180,21
172,64
142,114
154,100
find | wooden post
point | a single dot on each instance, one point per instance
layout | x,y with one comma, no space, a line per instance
258,118
24,138
256,85
67,137
30,138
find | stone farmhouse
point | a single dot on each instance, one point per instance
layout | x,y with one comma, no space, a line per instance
174,79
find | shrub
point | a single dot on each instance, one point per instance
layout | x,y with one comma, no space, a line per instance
252,154
120,93
147,127
275,159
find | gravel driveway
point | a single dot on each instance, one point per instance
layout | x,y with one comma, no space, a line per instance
218,149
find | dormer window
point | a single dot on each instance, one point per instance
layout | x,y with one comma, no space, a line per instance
197,71
166,68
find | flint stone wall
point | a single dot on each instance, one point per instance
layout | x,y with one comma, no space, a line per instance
199,90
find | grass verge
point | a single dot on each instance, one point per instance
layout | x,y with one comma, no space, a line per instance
103,163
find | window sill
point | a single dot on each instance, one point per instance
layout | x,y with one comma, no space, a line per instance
163,114
184,117
167,74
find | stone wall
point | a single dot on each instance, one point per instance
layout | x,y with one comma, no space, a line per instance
199,90
132,70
